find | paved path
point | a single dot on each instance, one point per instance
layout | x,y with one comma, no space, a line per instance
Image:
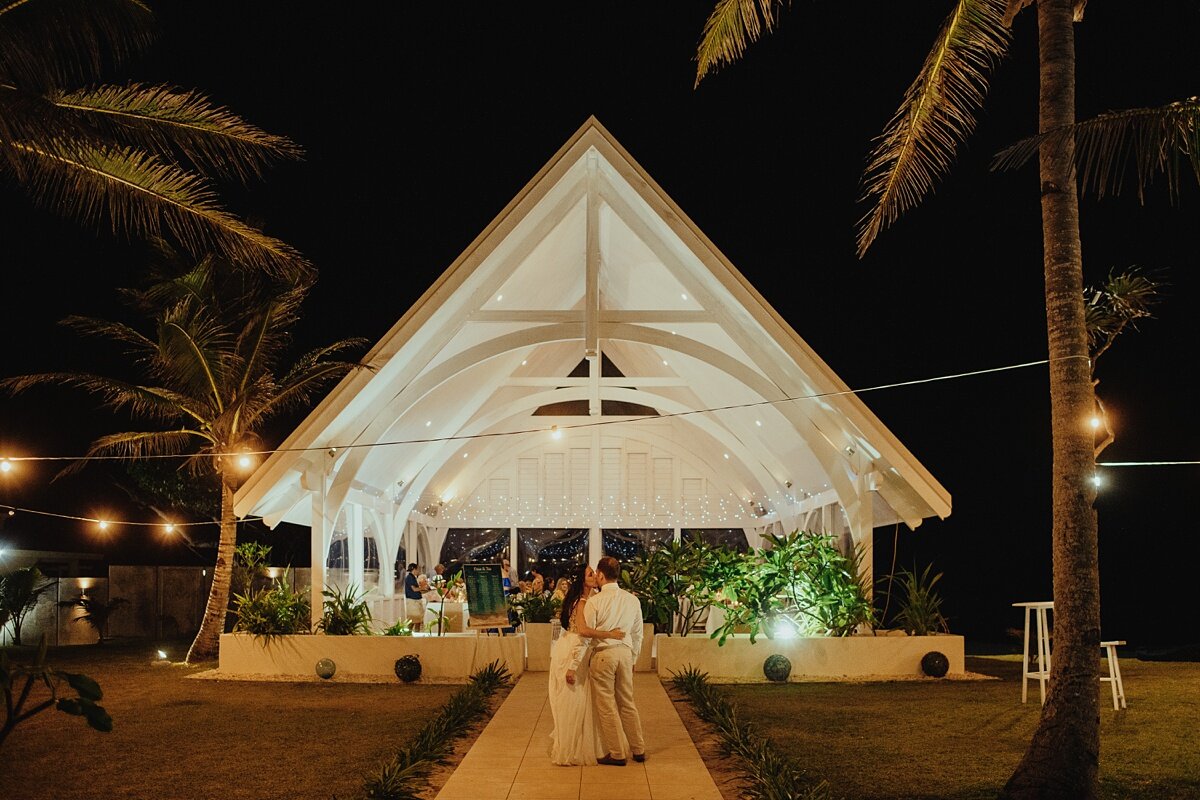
509,758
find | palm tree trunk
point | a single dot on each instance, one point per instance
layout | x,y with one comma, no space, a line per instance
208,640
1063,757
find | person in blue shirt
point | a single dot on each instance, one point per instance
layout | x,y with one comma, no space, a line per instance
410,584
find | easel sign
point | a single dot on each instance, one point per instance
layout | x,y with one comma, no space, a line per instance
485,595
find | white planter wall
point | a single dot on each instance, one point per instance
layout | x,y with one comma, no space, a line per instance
738,660
450,657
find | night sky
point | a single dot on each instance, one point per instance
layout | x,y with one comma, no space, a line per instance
421,125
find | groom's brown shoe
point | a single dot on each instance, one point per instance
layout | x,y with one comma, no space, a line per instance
639,757
611,762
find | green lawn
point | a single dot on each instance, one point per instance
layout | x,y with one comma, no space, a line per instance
176,737
961,740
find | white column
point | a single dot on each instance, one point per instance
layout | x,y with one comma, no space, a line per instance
319,547
388,545
354,544
861,516
512,546
595,538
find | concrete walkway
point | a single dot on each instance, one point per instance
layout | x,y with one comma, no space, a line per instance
509,762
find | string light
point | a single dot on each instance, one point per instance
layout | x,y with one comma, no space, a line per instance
5,465
104,524
590,424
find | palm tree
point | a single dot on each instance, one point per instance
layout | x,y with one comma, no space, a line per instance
210,384
917,146
138,158
20,591
95,612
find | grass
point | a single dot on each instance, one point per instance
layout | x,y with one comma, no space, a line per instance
174,737
960,740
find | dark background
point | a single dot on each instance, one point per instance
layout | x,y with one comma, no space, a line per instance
422,121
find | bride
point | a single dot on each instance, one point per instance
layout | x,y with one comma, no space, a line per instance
576,735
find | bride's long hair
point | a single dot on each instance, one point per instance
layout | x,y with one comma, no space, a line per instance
574,593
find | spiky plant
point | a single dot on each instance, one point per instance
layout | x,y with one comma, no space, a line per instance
95,612
138,158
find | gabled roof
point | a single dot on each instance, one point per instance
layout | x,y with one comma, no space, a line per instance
593,256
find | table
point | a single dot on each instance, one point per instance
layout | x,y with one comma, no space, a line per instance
1039,610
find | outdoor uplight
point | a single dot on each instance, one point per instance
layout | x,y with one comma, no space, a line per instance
162,655
1096,481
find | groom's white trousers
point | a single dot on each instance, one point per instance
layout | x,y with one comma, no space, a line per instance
611,673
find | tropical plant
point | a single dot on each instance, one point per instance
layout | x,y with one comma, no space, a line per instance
535,607
403,777
139,158
654,588
344,613
216,338
800,582
250,560
95,612
917,146
768,772
678,582
401,627
274,610
920,611
83,704
20,591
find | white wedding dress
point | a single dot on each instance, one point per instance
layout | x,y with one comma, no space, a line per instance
576,735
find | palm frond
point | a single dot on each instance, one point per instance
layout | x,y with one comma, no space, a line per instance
152,402
730,29
139,444
936,115
1163,140
1117,305
193,355
107,329
170,121
51,43
299,386
141,194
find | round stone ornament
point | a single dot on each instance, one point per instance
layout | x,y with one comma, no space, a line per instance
408,668
935,664
326,668
777,667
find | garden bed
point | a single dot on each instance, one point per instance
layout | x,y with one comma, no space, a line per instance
452,657
813,658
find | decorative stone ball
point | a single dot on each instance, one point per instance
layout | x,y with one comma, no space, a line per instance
326,668
408,668
777,668
935,664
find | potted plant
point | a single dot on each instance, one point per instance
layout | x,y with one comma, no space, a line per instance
536,611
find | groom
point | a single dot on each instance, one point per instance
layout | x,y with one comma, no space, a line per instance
610,609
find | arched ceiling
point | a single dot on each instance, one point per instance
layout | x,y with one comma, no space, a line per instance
592,258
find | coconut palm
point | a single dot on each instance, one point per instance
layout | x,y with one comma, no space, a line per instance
210,361
138,158
95,612
917,146
20,591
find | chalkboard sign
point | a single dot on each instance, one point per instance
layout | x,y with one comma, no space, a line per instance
485,595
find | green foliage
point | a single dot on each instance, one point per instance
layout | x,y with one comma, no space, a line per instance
920,612
802,581
20,591
403,776
95,613
770,774
273,611
408,668
250,560
678,582
401,627
535,607
160,483
84,702
345,614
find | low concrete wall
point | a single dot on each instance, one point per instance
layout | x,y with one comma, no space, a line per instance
539,644
449,657
866,657
58,624
163,601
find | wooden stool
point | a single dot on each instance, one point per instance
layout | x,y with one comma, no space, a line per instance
1042,674
1114,674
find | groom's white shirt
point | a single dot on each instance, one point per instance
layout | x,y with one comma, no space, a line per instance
611,609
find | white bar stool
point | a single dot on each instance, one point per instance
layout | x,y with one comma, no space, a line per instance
1042,674
1114,674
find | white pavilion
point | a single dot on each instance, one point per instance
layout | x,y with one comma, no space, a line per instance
591,375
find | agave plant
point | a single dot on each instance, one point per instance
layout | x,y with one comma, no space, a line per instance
920,611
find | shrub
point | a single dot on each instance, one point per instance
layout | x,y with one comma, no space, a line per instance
535,607
19,593
273,611
401,627
95,613
920,611
345,614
